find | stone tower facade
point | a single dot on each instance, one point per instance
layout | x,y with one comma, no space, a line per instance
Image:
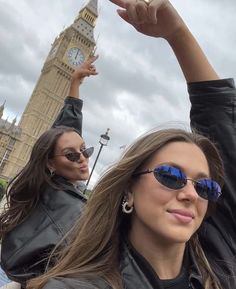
68,51
9,134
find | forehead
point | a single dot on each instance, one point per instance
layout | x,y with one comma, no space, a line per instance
69,140
186,156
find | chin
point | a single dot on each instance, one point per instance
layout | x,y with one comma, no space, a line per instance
181,238
176,235
83,177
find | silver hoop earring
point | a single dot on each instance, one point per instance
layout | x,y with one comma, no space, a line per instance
126,208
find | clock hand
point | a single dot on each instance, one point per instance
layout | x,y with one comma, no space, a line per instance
77,53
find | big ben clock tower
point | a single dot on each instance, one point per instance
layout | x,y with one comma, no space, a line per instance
68,51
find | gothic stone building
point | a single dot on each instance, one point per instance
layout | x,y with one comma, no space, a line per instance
9,134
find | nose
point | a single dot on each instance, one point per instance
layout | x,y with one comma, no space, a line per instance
188,192
82,158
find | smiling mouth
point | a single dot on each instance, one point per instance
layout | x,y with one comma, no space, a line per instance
182,216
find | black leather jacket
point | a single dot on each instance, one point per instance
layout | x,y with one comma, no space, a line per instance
25,249
213,113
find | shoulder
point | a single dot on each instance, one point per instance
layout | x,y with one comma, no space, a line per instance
75,283
55,284
61,193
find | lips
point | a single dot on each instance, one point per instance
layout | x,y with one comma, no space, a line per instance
183,216
182,212
84,168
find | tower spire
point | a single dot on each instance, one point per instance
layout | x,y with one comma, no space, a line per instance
2,109
13,123
85,22
93,6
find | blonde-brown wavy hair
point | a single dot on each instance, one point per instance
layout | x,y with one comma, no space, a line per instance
95,241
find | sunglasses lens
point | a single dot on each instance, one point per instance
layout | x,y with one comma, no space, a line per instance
208,189
174,178
170,177
88,152
73,157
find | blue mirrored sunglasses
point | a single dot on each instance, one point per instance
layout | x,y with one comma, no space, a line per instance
173,178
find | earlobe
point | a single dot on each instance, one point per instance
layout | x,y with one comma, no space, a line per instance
126,208
52,172
130,198
127,203
51,168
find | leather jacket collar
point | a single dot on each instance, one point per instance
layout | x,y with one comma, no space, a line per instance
136,276
63,184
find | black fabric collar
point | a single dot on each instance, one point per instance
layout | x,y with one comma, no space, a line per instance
62,183
135,267
145,267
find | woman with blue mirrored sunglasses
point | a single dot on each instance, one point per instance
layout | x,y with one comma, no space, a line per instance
161,208
137,232
173,178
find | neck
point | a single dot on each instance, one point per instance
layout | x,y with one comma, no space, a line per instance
165,258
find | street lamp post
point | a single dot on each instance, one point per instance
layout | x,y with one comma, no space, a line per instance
104,138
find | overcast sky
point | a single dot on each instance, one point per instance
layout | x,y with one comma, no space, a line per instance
139,86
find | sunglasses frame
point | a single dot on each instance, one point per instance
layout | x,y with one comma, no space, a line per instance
184,182
83,152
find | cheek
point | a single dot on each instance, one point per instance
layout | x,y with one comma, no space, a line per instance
202,208
162,195
65,166
151,196
201,212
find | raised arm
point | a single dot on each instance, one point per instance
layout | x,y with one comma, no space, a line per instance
160,19
71,114
86,69
213,111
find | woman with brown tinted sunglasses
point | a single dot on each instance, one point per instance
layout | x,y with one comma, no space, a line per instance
42,201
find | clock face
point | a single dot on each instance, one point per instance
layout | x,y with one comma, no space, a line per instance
75,56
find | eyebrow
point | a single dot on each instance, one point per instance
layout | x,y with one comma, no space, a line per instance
72,148
200,175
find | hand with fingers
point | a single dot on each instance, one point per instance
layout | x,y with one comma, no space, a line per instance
157,18
85,70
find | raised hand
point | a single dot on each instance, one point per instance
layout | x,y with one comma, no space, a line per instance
157,18
85,70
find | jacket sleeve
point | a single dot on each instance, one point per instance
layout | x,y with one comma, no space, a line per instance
71,114
76,283
55,284
213,114
26,248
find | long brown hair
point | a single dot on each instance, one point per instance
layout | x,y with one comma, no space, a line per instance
95,246
24,190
